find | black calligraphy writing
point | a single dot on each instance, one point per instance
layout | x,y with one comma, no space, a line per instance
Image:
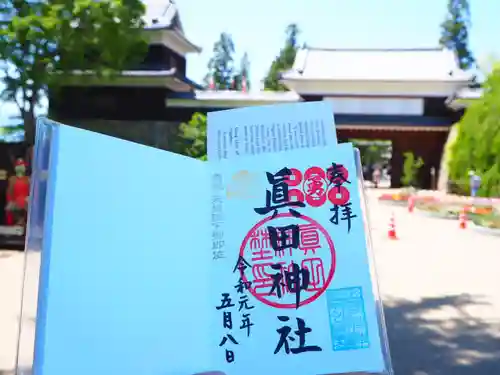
281,238
336,175
246,323
227,323
241,287
244,303
345,213
279,196
225,302
286,337
241,265
296,280
229,352
227,320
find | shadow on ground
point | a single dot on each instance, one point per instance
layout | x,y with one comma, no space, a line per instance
437,336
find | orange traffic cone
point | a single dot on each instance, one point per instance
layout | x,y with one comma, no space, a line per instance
411,203
392,228
462,219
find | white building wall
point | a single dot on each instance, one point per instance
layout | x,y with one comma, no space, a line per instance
377,106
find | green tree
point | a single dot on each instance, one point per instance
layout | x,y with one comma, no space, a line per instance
221,65
477,145
411,166
11,129
244,72
193,137
372,151
284,61
455,32
43,41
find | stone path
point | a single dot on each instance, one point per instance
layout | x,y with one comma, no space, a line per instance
440,285
11,264
441,291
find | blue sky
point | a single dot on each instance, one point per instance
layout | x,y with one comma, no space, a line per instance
257,26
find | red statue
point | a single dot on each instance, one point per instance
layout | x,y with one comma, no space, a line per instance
17,195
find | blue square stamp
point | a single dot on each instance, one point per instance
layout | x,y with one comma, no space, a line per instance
346,312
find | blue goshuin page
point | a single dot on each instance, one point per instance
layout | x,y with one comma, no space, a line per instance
124,277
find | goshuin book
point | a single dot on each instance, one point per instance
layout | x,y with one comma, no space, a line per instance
155,263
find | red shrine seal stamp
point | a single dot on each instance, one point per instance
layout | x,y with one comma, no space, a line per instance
316,185
313,255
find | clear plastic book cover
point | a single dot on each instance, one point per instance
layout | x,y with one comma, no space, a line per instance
369,245
34,245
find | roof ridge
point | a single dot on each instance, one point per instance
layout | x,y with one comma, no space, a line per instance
165,14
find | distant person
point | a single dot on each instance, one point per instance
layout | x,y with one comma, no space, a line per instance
366,170
377,174
18,190
475,183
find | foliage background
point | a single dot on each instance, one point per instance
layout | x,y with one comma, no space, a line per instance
477,145
193,137
411,167
42,43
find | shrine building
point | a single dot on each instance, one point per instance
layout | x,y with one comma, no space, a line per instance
411,97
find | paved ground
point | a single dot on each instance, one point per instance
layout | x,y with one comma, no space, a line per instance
440,285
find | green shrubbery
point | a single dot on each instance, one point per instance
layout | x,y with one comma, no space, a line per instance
477,145
193,137
411,167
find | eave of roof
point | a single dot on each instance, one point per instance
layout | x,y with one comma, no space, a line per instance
229,98
147,74
470,93
167,19
464,98
180,35
162,73
132,73
272,96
